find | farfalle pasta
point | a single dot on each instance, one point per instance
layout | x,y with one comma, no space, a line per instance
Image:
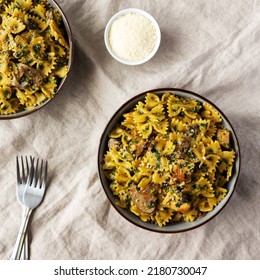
169,159
34,54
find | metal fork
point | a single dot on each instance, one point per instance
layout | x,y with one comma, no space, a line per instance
20,187
32,197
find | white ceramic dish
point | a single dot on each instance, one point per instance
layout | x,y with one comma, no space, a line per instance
177,226
122,13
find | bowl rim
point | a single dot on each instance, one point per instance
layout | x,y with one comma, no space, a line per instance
63,80
107,191
121,13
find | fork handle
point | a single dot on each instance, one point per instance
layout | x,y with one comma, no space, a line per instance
25,249
21,235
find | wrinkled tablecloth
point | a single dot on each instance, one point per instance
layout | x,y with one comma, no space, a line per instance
209,47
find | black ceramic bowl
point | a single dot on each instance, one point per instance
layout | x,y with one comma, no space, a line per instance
61,83
177,226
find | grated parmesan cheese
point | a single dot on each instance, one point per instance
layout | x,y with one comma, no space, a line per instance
132,37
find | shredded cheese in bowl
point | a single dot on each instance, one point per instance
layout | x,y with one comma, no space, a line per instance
132,36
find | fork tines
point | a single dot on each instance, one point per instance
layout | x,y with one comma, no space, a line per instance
34,176
24,176
40,177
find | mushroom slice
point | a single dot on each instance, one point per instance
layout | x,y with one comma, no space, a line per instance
113,143
144,199
30,74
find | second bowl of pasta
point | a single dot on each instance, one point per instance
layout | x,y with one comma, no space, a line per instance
36,51
168,160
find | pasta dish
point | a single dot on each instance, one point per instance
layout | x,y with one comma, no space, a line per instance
169,159
33,54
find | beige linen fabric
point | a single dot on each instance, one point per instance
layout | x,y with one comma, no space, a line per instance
209,47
